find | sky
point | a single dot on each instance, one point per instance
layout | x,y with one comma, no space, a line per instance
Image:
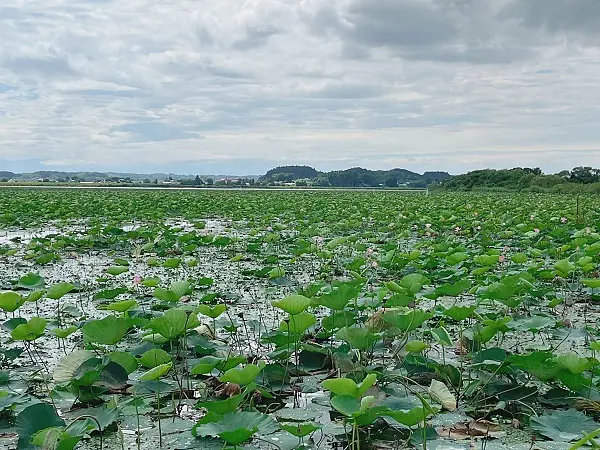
241,86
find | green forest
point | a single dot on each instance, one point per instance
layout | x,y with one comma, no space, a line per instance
579,179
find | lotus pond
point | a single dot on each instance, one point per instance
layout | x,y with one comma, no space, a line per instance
283,320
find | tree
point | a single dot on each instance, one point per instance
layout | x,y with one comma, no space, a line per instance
210,181
198,181
322,181
391,181
583,175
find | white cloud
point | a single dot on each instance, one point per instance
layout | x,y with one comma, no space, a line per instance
223,85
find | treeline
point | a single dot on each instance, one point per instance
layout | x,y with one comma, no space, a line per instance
355,177
580,179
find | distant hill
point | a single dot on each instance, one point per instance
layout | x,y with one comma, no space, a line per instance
354,177
289,173
55,175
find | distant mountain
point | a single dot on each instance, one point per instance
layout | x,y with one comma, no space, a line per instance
354,177
300,175
55,175
285,173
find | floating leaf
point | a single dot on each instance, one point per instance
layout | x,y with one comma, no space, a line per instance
277,272
122,306
300,430
117,270
151,282
107,331
68,365
563,426
35,418
172,263
236,428
31,281
109,294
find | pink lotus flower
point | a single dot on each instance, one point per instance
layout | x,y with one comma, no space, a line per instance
269,229
137,280
563,219
506,249
531,217
536,230
501,258
370,251
374,264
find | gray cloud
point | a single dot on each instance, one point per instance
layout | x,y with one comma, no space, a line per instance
51,66
255,37
581,16
468,31
426,84
399,23
153,131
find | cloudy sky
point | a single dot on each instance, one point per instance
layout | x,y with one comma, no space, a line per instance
240,86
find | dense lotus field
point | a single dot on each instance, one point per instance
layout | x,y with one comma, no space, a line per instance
281,320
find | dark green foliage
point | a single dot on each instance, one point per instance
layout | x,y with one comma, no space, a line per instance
580,179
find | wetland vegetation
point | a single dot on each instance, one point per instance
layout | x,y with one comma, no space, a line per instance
283,320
